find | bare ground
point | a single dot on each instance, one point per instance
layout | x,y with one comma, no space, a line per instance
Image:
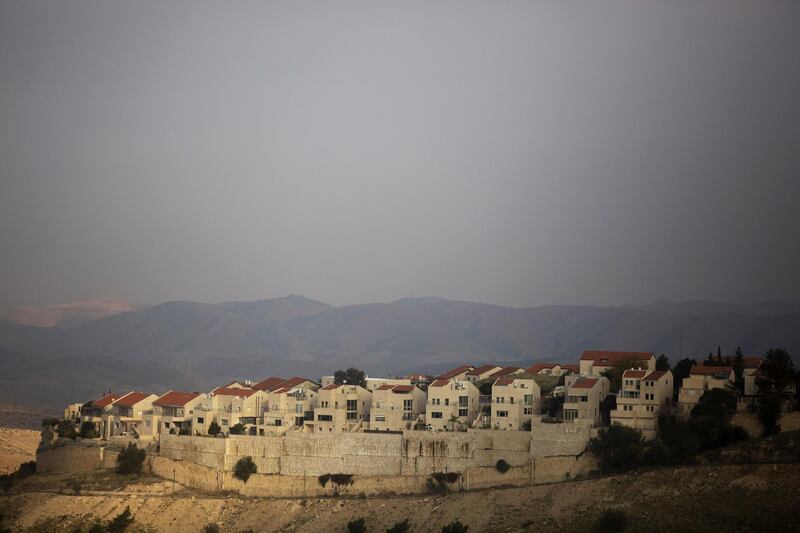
16,447
706,498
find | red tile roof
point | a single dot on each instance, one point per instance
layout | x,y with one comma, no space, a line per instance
385,386
507,370
502,382
752,362
224,391
634,373
608,358
538,367
176,398
584,383
483,369
402,389
130,399
294,382
105,400
268,384
702,370
332,386
573,368
655,375
440,383
463,369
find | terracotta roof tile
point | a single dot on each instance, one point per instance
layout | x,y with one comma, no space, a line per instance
402,389
703,370
332,386
538,367
483,369
130,399
440,383
584,383
655,375
463,369
176,398
508,370
268,384
385,386
105,400
223,391
503,382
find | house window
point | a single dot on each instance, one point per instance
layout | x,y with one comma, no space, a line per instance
408,405
224,422
380,418
147,423
502,414
463,412
463,401
447,401
570,414
499,399
528,399
325,418
166,425
200,420
436,414
352,405
527,411
278,422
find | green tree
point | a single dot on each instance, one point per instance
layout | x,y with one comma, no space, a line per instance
738,370
619,448
130,460
213,428
662,363
776,377
711,416
681,371
351,376
245,467
237,429
88,430
453,419
614,374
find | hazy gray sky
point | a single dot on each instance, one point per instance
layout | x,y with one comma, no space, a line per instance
520,153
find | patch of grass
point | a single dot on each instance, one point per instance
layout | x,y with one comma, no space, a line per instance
610,521
245,467
356,526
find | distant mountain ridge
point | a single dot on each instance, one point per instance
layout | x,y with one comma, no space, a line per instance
71,314
195,346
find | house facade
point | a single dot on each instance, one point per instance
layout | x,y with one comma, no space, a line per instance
703,378
125,415
342,408
396,407
451,402
171,412
582,399
641,399
515,400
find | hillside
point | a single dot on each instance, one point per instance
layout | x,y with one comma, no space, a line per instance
71,314
718,498
196,345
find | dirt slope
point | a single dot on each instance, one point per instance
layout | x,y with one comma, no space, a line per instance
718,498
16,447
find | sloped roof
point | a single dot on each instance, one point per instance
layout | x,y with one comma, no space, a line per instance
630,373
385,386
483,369
752,362
234,391
332,386
703,370
105,400
440,383
584,383
402,389
507,370
268,384
538,367
608,358
176,398
571,367
463,369
293,382
503,382
131,399
655,375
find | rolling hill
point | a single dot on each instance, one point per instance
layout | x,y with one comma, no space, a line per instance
196,346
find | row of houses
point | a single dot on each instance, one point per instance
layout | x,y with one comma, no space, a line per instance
450,401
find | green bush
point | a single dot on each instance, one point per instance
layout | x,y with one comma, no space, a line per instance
88,431
237,429
50,422
211,528
455,527
66,430
244,468
130,460
502,466
619,448
610,521
213,428
356,526
400,527
186,429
